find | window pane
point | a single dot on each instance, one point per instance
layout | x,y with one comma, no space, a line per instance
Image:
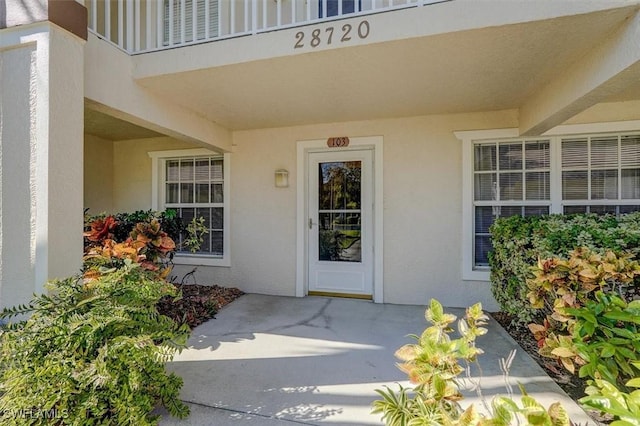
339,237
510,156
537,155
485,187
485,157
484,219
604,185
217,218
536,210
537,185
218,196
202,193
186,193
574,153
205,213
481,250
511,186
173,170
602,209
629,209
172,193
217,246
202,169
574,209
217,170
604,152
574,185
630,151
186,170
508,211
631,184
339,185
187,215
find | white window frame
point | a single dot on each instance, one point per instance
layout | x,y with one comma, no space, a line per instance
158,174
470,138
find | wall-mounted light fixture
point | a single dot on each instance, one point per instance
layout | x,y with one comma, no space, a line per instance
282,178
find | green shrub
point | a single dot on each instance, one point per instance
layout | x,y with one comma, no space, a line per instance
93,351
434,363
518,243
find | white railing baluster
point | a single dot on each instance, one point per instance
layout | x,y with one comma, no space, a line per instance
121,23
107,20
147,39
246,15
159,24
279,13
183,20
264,14
130,24
294,18
308,6
254,16
232,26
324,8
207,22
94,15
339,9
194,20
137,22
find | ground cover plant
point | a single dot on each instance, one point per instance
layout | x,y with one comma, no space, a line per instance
433,365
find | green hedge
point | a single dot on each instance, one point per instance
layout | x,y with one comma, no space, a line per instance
518,242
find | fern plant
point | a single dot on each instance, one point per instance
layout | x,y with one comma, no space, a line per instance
433,364
92,351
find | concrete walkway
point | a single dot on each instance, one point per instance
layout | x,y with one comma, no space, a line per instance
269,360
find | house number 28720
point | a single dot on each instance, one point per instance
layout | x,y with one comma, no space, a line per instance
330,35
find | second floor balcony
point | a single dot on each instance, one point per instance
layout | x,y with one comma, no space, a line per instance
139,26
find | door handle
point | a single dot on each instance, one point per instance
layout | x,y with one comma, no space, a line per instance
310,223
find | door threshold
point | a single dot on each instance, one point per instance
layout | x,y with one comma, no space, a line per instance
344,295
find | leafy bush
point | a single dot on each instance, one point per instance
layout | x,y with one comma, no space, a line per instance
92,351
433,364
518,243
590,325
606,398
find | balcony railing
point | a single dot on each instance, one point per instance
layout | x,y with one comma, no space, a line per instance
138,26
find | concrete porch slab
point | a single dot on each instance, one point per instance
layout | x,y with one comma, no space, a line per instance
271,360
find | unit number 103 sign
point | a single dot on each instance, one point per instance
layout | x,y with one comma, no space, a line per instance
330,35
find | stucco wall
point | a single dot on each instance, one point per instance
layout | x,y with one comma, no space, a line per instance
98,174
132,171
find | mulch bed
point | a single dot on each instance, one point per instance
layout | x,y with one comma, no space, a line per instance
570,384
199,303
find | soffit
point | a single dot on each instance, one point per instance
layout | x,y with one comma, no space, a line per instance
108,127
486,69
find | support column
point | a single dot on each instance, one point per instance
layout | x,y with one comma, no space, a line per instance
41,156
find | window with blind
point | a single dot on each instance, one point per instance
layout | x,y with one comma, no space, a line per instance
206,24
578,174
194,186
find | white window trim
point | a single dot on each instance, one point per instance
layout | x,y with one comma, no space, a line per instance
469,138
157,200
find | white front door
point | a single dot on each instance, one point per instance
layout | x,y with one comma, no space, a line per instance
340,223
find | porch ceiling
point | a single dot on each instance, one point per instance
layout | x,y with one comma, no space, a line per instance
486,69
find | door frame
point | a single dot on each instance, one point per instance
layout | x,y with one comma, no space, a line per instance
304,148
